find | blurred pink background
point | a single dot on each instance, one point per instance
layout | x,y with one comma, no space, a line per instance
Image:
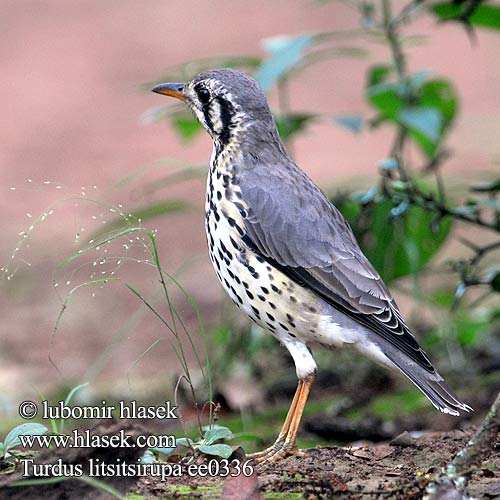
71,106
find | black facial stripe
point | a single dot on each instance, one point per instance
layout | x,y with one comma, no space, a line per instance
206,114
226,113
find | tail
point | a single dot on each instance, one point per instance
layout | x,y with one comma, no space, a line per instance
432,385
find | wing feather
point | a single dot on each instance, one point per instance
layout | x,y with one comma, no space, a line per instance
293,225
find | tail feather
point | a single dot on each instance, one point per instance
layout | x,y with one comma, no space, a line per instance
434,387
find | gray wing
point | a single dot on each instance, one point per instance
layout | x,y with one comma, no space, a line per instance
292,224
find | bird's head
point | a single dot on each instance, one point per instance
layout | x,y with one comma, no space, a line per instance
225,101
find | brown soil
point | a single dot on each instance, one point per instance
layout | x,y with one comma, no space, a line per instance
400,469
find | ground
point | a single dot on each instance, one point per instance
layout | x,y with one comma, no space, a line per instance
398,469
401,470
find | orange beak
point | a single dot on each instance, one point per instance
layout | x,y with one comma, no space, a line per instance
170,89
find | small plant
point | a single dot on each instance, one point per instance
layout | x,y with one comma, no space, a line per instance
207,445
12,441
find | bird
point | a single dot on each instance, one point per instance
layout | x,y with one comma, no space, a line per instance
286,256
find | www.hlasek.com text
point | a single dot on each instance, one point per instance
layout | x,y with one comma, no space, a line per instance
85,439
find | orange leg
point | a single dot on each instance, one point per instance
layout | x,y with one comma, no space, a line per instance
286,439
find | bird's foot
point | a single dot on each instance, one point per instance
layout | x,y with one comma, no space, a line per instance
282,448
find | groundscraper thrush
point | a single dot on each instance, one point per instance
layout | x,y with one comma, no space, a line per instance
286,256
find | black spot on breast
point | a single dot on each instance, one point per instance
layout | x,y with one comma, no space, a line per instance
225,250
265,290
249,295
284,327
256,312
272,305
233,243
253,272
245,284
270,316
241,209
219,195
293,299
261,297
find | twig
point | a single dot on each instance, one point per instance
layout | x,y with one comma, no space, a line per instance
428,201
394,41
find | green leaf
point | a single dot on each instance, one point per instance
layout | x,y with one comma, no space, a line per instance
217,432
419,78
184,442
163,451
433,109
387,98
489,187
484,16
148,457
495,282
285,53
425,120
187,127
388,163
29,429
292,123
221,450
401,209
441,95
377,74
353,122
397,239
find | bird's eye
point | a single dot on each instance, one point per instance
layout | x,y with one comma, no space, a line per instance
203,95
